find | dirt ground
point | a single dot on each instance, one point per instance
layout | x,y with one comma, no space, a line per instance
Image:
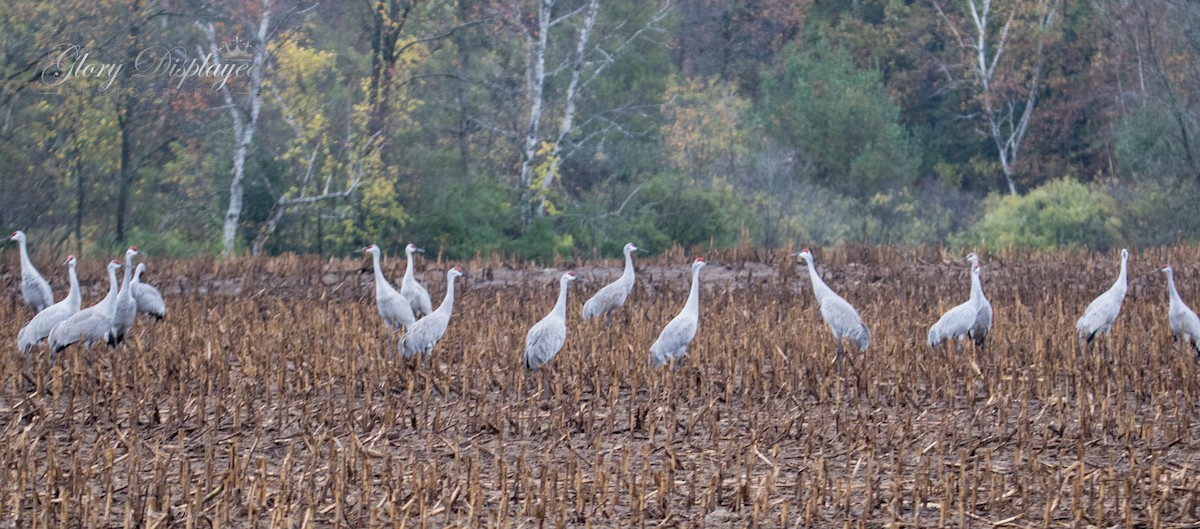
271,396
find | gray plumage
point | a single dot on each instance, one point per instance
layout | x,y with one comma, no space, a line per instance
983,318
426,332
393,308
960,320
91,325
1184,323
612,296
841,317
149,299
34,288
125,308
417,296
672,342
39,327
1102,312
546,338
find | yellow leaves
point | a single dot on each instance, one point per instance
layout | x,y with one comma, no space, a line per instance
541,171
704,126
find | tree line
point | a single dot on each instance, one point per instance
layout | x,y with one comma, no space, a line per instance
535,127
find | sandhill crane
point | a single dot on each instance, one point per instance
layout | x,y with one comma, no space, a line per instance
672,342
612,296
426,332
125,308
1184,323
39,327
1102,312
149,299
34,288
843,320
393,308
545,339
983,320
91,325
417,296
958,321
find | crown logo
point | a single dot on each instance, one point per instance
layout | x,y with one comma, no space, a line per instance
237,50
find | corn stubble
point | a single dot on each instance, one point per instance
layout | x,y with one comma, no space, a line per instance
268,399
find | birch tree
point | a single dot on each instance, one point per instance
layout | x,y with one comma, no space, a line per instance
1006,83
551,118
325,167
245,118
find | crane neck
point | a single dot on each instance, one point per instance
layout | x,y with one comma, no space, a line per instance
26,264
976,289
128,270
112,288
693,300
560,307
448,302
1174,294
628,273
74,299
408,268
1120,283
820,289
379,280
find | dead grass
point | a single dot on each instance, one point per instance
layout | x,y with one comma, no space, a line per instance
267,399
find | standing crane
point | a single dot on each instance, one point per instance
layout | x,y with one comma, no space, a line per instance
39,327
1184,323
545,339
417,296
91,325
426,332
610,298
958,321
1102,312
841,317
34,288
672,342
125,308
149,299
983,319
393,308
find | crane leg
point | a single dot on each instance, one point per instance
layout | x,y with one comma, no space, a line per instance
545,383
839,355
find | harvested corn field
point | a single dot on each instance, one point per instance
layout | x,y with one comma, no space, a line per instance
269,398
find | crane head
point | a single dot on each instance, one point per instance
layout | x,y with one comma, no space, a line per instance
16,236
70,260
1124,254
971,258
699,262
805,254
1164,268
630,247
370,248
413,248
114,264
455,272
131,251
569,276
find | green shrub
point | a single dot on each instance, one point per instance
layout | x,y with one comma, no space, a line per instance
1060,212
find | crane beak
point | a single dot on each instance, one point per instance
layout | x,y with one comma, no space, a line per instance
419,250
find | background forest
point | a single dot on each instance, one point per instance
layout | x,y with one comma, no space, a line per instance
572,126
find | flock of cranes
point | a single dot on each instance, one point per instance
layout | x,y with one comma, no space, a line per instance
63,323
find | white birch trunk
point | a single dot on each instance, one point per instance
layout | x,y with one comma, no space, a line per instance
243,128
